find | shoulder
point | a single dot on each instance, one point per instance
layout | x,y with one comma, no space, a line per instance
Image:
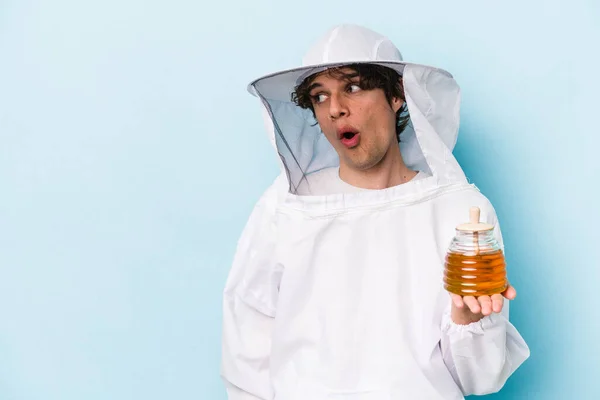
457,204
265,207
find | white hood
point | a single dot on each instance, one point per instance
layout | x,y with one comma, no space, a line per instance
432,97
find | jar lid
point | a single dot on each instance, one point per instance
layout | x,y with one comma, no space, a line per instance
474,225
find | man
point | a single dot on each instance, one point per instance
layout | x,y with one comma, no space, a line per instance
336,289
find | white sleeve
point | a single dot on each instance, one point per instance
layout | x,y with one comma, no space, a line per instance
482,356
249,303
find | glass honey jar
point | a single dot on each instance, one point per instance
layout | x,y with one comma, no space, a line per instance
475,264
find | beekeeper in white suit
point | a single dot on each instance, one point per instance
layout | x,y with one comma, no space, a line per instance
336,289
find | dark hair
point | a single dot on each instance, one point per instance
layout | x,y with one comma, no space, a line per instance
371,76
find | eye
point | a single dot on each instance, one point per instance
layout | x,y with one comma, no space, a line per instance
319,98
353,87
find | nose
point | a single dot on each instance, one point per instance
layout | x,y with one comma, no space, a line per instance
337,106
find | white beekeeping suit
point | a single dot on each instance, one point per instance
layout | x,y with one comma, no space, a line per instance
340,296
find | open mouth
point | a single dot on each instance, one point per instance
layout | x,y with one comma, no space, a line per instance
350,139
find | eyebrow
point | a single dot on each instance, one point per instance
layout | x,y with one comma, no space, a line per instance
313,86
349,77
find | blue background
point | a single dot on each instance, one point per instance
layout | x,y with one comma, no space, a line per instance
131,156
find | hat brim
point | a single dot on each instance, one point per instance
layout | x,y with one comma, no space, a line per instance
280,85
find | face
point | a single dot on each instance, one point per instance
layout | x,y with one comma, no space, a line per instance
360,124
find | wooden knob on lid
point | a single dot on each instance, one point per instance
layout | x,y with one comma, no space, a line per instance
474,225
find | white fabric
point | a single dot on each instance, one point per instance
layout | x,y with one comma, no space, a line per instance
340,296
328,181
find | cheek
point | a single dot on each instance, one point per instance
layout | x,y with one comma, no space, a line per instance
371,119
385,118
326,126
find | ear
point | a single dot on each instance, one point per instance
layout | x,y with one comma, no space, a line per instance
397,103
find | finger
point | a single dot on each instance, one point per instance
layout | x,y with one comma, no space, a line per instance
486,304
473,304
510,292
497,302
457,300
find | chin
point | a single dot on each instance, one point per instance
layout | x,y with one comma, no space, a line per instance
362,165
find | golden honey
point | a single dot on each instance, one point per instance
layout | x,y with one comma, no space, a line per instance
471,274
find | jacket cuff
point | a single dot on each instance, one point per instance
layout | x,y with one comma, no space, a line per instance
477,328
